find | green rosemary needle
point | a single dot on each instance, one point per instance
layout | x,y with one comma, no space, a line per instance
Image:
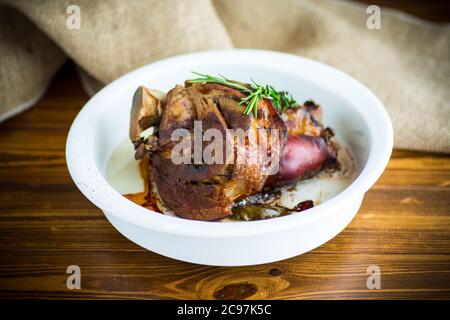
253,93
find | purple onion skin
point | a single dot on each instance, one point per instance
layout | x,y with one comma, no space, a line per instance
303,157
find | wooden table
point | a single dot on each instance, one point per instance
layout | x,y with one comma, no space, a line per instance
46,225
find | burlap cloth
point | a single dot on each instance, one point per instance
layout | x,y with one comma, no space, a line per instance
406,63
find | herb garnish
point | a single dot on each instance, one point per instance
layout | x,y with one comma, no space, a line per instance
281,100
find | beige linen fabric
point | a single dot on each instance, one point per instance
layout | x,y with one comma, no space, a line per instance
406,63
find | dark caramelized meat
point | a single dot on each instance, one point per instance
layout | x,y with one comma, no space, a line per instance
206,191
209,191
309,148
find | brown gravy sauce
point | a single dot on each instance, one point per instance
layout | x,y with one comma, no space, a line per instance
145,198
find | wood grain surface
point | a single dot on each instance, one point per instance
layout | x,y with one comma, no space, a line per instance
46,225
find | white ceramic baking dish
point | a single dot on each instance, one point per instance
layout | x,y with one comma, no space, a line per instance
356,115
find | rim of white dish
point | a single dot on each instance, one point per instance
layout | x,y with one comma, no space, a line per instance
93,185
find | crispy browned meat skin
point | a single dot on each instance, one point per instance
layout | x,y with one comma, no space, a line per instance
202,191
308,149
207,192
303,157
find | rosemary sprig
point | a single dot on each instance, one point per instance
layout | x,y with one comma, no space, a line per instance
281,100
